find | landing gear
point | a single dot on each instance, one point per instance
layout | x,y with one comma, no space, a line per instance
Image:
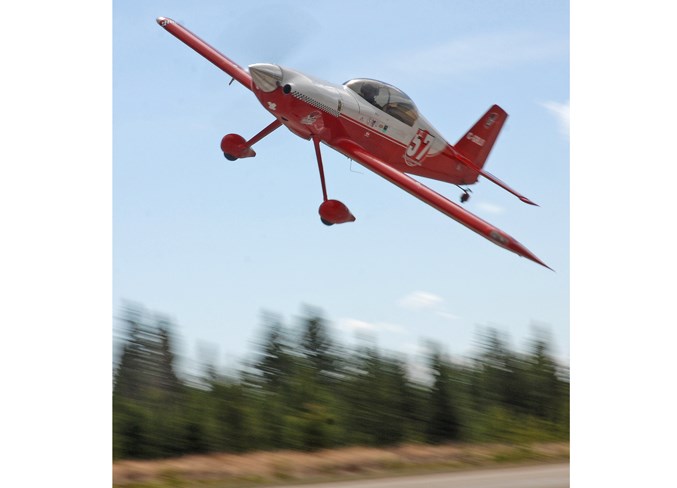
331,211
234,146
465,196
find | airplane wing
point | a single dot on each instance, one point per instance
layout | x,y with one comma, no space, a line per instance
191,40
358,153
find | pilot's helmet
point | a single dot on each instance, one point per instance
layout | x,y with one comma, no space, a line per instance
369,91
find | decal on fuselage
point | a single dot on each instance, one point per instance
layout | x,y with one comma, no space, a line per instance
311,118
368,121
418,148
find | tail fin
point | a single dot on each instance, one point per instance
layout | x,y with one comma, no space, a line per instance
474,147
478,141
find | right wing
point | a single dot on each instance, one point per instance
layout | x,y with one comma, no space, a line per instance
494,234
204,49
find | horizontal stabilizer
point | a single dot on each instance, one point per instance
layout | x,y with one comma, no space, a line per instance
463,159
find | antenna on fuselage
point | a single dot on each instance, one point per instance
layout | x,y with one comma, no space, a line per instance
352,170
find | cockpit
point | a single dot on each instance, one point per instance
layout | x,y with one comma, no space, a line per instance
385,97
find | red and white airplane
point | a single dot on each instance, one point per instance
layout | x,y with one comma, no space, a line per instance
370,122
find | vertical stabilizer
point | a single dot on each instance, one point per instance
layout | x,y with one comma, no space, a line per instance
478,141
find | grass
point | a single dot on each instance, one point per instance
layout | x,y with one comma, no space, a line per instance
287,467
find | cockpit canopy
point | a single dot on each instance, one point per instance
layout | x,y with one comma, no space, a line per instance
385,97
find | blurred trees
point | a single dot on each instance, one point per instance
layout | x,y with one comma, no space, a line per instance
148,398
303,390
443,421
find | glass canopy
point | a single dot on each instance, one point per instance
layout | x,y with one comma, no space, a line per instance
391,100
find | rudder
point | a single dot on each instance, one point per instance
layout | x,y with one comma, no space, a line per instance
476,144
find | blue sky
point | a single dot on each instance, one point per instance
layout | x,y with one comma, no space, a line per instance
213,243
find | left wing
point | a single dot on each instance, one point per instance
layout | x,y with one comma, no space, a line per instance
494,234
204,49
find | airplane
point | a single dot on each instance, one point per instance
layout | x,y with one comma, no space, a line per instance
372,123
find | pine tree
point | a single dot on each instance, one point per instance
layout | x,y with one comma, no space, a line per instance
316,345
443,424
167,379
275,363
146,387
129,379
546,394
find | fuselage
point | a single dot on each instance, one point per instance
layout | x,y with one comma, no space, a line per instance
386,123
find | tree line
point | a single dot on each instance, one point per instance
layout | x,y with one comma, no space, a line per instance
303,390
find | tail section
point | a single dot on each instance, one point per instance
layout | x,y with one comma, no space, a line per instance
474,148
478,141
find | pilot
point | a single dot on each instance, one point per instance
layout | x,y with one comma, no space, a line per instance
369,92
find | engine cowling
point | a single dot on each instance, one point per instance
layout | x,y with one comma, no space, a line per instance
335,212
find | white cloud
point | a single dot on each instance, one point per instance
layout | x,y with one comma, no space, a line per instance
420,300
356,325
447,315
490,208
561,113
428,302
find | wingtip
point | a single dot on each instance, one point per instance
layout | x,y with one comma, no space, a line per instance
536,260
163,21
522,251
529,202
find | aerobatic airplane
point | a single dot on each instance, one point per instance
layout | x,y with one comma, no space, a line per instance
370,122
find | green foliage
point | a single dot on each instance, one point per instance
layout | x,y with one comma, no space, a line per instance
443,421
376,403
304,391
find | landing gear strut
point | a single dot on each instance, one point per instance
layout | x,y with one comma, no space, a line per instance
331,211
234,146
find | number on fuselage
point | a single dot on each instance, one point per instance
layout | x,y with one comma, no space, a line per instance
418,147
